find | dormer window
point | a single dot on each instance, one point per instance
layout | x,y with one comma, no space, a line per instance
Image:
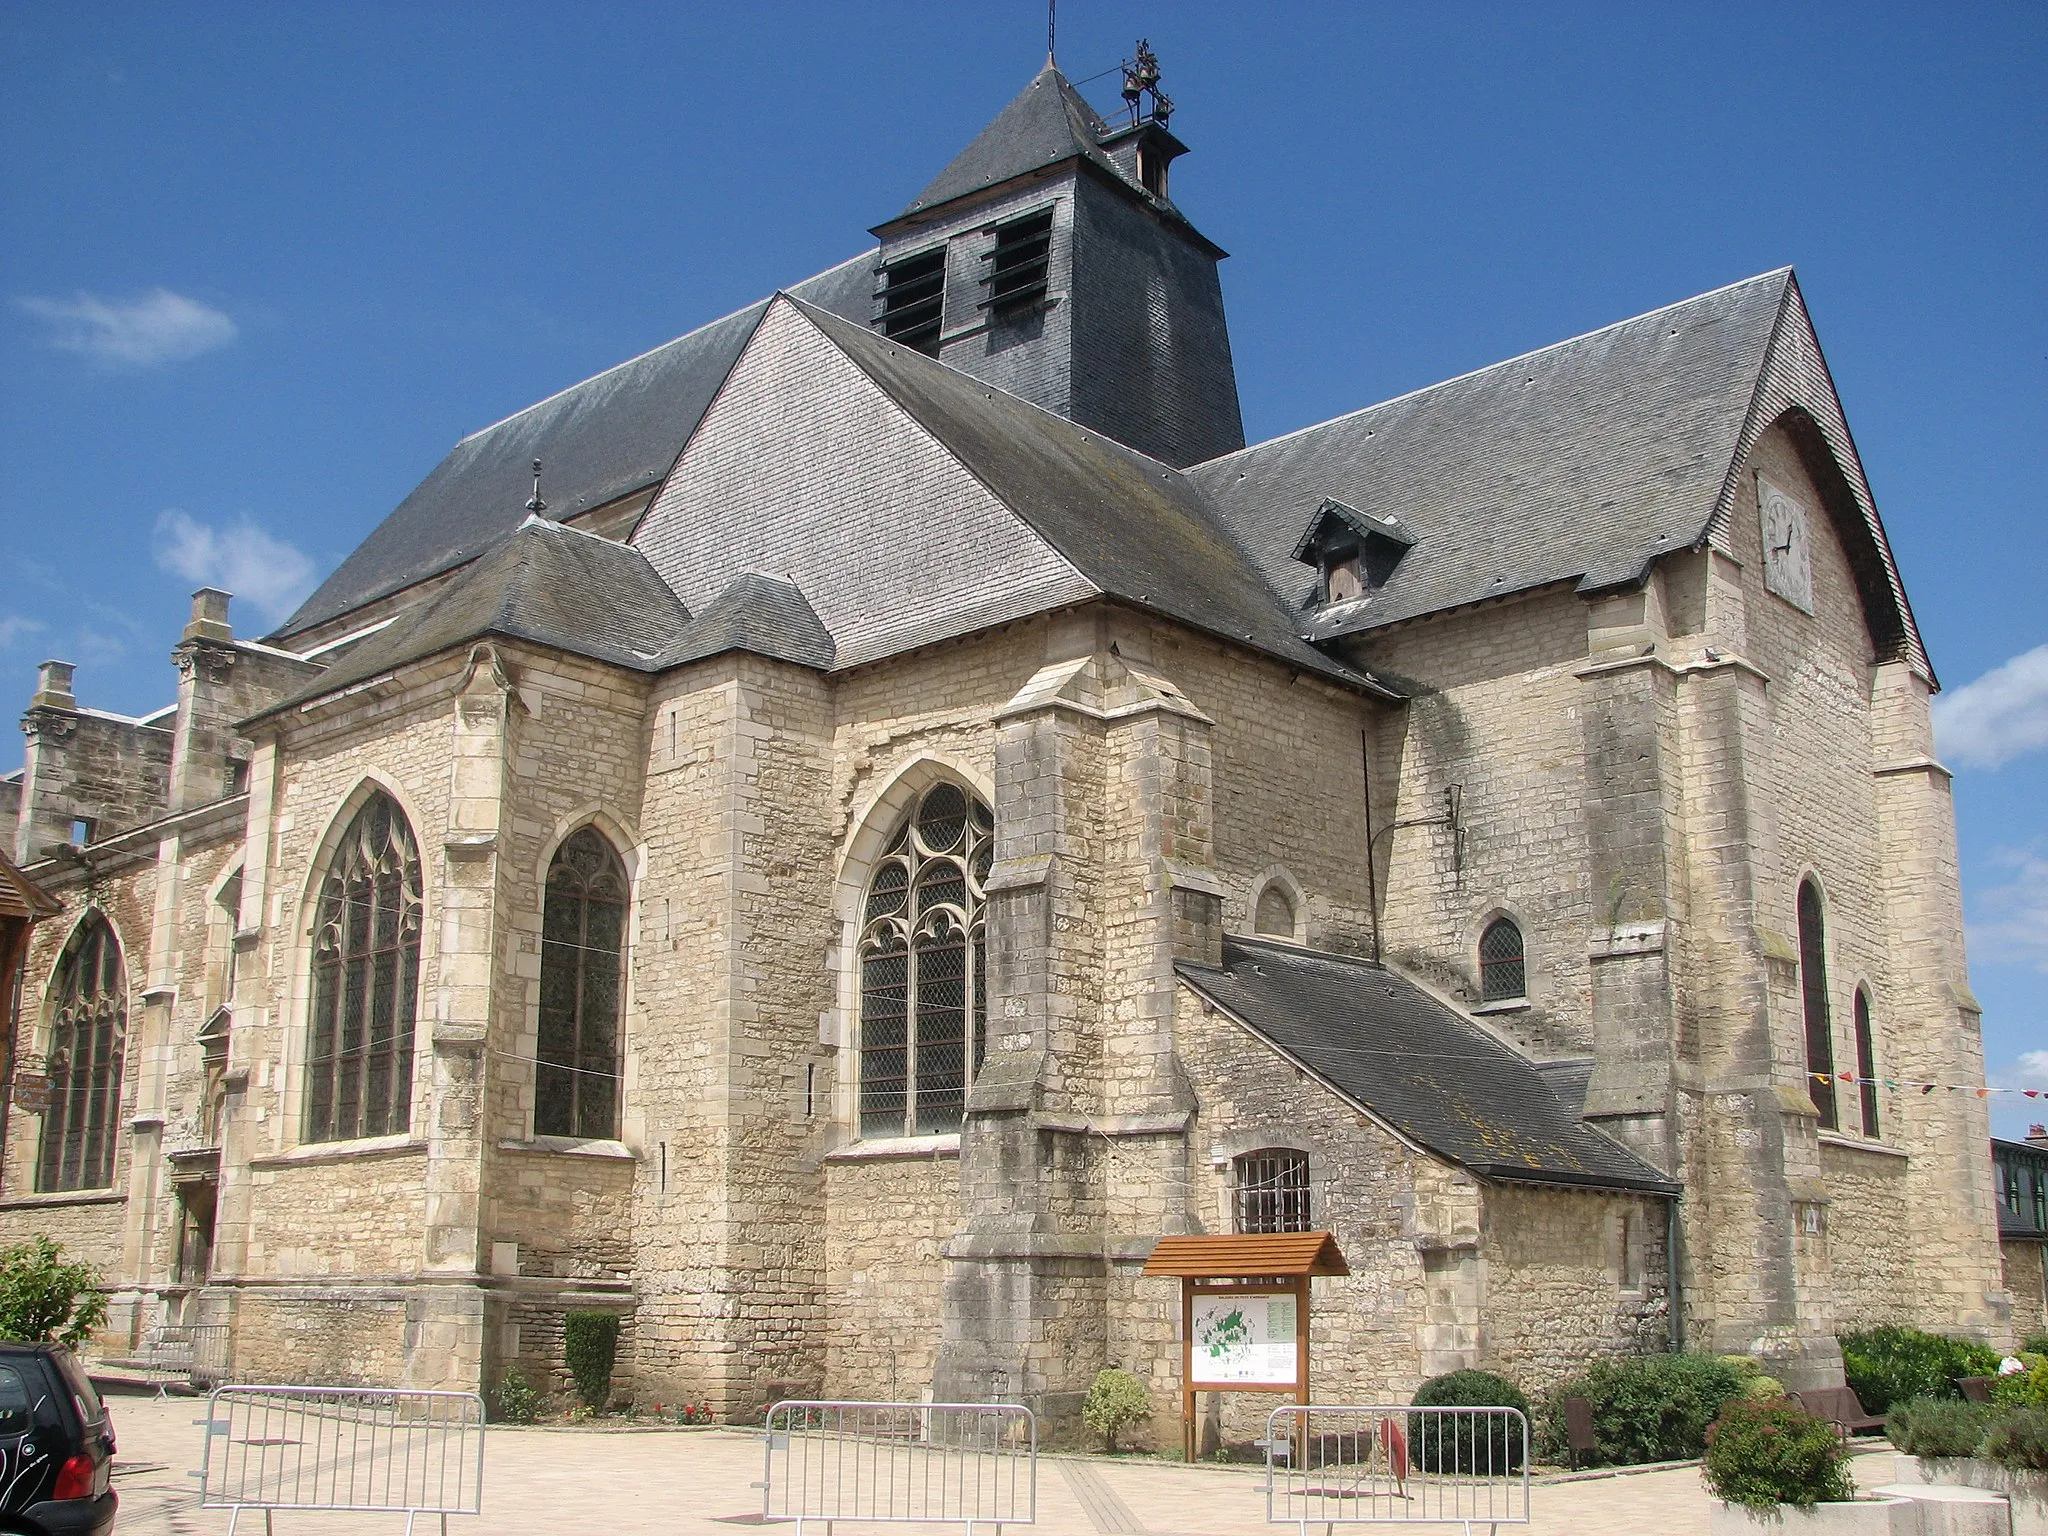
1152,162
913,300
1018,263
1353,552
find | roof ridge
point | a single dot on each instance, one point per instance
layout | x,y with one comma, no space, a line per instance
1473,373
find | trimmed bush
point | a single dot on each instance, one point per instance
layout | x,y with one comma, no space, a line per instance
1645,1407
515,1401
2018,1440
1893,1365
1762,1388
2024,1389
2035,1344
1116,1400
1763,1454
1938,1426
42,1297
1468,1442
590,1344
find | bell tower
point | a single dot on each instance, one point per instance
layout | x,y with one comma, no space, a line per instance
1049,260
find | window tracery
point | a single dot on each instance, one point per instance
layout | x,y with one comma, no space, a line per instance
366,966
582,973
88,1042
923,965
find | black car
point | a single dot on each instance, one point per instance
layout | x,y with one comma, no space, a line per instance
56,1445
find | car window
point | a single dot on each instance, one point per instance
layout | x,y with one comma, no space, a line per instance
14,1402
89,1408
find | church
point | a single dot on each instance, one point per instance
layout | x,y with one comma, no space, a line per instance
830,838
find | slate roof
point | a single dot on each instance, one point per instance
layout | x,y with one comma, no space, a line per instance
1046,124
542,582
1581,462
602,439
766,615
1418,1065
1134,527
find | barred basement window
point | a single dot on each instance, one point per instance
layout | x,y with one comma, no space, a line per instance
1019,262
1866,1064
366,974
582,967
88,1040
1272,1193
923,954
1813,989
913,298
1503,977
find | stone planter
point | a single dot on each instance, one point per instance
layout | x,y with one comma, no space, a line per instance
1856,1517
2028,1491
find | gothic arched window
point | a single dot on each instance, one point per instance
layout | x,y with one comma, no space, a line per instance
1866,1064
88,1037
1503,971
1272,1191
1274,914
923,992
1813,996
582,968
366,979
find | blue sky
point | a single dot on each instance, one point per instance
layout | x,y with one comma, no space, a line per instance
261,265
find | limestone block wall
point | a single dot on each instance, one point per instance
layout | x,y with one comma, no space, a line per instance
886,1220
1571,1276
295,1335
1868,1230
2026,1280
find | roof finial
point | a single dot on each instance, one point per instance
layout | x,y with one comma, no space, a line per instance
536,505
1052,29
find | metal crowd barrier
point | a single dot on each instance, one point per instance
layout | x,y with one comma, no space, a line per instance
343,1448
1397,1465
188,1354
969,1464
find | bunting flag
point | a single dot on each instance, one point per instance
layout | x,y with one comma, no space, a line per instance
1981,1090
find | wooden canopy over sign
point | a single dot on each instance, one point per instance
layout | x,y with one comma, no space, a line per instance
1247,1255
1243,1311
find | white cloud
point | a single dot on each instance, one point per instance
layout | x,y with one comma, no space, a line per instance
2030,1070
240,557
2011,921
14,626
2000,716
158,327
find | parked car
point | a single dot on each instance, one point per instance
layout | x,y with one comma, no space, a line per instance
56,1445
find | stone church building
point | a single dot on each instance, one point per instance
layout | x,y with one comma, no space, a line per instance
911,808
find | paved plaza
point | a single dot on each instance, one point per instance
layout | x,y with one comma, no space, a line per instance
704,1483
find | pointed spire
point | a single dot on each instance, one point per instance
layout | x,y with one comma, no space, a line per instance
1046,124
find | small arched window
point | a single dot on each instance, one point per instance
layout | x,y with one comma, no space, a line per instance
923,991
1272,1191
1813,996
1274,915
366,980
1866,1064
88,1040
1502,975
582,968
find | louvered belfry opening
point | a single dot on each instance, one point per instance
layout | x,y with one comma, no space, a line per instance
913,300
1018,264
923,954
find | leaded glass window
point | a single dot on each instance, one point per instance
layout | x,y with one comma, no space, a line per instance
582,969
88,1038
366,972
1813,994
923,958
1272,1193
1503,975
1866,1064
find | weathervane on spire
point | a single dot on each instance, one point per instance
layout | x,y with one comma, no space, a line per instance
1141,77
536,505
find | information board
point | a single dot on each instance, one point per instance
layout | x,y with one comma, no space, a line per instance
1244,1340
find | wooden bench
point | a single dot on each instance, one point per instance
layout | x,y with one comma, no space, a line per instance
1975,1389
1841,1407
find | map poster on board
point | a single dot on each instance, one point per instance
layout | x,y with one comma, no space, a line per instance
1243,1340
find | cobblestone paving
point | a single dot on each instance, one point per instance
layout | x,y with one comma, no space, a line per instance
544,1482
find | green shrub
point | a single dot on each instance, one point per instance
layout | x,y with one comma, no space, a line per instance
1761,1388
2024,1389
2018,1440
516,1402
2034,1344
590,1342
1645,1407
1763,1454
43,1298
1468,1442
1116,1400
1891,1365
1938,1426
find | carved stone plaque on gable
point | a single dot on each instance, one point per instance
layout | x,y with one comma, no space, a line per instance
1788,559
